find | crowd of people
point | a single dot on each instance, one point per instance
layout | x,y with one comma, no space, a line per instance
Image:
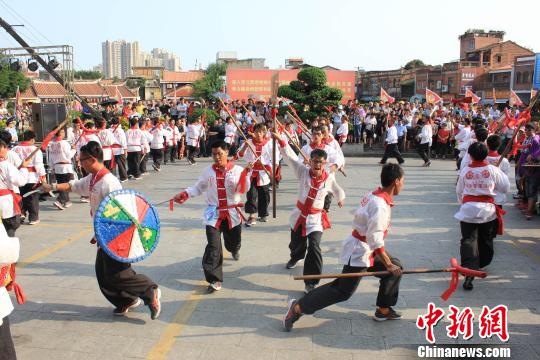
99,152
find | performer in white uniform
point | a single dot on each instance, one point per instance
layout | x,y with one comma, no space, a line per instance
480,218
118,282
363,250
308,219
224,184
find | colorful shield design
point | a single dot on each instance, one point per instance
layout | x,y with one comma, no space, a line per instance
126,226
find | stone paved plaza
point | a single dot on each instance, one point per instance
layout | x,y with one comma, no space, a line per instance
66,317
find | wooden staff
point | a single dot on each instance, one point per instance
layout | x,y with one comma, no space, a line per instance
454,268
274,192
516,130
241,133
46,140
292,141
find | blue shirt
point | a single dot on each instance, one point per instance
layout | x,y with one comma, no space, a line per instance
401,130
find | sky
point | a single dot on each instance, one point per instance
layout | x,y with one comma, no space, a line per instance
347,34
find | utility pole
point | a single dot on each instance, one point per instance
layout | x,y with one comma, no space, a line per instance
9,29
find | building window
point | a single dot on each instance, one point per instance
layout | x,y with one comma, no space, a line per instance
470,44
450,83
518,78
498,58
525,78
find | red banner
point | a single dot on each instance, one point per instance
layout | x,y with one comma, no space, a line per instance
469,93
432,97
385,97
514,99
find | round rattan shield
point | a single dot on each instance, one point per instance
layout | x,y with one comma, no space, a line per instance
126,226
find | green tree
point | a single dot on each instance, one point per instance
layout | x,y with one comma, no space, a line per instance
210,83
413,64
310,94
134,83
211,115
9,80
87,75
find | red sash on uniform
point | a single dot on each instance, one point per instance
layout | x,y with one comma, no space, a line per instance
16,200
258,166
223,205
489,200
307,208
7,279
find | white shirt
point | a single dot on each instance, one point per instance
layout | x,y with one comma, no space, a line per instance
342,132
208,183
302,172
36,163
9,254
136,140
332,157
426,136
193,133
265,150
158,138
391,135
98,190
463,137
479,181
106,139
11,178
330,141
120,143
60,155
230,133
372,221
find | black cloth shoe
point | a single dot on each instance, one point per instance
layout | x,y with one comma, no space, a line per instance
467,284
290,316
291,264
392,315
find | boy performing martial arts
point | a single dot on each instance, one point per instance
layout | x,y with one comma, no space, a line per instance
363,250
224,183
122,286
258,196
478,187
308,220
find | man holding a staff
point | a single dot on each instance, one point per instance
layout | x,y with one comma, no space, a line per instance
363,250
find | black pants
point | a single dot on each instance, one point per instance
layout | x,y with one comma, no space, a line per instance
342,289
258,199
311,244
7,349
133,160
63,196
328,201
120,161
392,150
477,244
142,163
212,260
401,142
107,164
192,152
171,152
119,283
12,224
423,151
157,156
30,204
442,149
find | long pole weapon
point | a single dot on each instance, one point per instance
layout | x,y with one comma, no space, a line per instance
241,133
454,268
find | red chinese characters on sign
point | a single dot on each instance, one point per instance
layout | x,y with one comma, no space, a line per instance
461,322
429,320
494,322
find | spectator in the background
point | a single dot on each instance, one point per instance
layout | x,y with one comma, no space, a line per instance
12,130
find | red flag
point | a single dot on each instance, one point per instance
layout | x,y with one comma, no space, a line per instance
432,97
469,93
385,97
119,96
514,99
